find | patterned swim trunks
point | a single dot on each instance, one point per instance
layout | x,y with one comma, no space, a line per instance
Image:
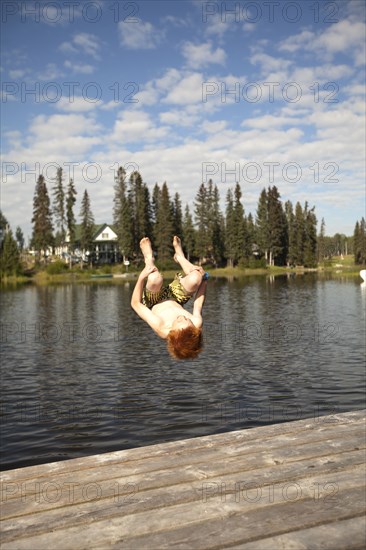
174,291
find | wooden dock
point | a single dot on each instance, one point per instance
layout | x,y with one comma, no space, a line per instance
292,485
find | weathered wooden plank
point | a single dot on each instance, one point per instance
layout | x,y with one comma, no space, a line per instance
211,510
189,488
222,487
348,533
285,446
318,424
56,492
207,531
254,525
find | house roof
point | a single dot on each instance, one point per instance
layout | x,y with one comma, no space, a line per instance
97,229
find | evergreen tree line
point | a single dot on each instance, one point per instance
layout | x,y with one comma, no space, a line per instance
10,248
359,242
280,234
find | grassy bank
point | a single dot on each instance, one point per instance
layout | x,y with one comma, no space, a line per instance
52,274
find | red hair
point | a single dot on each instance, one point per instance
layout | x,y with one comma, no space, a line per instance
185,343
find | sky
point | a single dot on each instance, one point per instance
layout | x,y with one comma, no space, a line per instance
256,92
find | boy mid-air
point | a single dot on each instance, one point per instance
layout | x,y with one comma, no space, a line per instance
161,306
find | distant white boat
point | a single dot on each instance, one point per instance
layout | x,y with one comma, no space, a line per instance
363,274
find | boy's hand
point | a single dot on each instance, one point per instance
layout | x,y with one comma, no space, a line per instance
147,270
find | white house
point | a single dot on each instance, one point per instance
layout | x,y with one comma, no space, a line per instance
105,245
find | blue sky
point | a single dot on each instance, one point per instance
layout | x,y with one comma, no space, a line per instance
264,93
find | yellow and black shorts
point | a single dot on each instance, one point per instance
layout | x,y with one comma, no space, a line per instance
174,291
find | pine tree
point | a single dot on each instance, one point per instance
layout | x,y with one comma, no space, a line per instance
202,209
3,223
356,244
217,228
164,226
59,208
230,230
9,255
310,241
139,200
87,226
277,226
155,202
19,238
42,237
70,217
321,242
299,235
262,226
250,229
122,217
359,242
188,234
363,241
290,219
239,225
177,215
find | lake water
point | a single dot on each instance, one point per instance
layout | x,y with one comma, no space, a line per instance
82,374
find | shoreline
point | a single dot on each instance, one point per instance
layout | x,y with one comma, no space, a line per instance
43,278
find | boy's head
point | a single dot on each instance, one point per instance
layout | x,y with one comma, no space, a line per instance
185,343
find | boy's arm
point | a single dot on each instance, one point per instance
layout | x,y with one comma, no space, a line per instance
142,311
199,300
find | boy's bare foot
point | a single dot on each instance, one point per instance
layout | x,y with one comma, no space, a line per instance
178,248
146,249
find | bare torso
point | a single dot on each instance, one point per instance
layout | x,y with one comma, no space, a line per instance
167,312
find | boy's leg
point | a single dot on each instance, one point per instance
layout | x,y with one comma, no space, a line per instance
193,273
155,280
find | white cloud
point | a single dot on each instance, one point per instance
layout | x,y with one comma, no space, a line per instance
342,36
76,104
215,24
201,55
295,42
214,127
269,63
67,47
18,73
81,68
149,95
110,105
82,42
153,90
273,122
345,36
139,35
356,9
62,126
339,120
171,77
178,118
173,21
249,27
136,126
51,73
14,138
332,71
355,89
187,91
